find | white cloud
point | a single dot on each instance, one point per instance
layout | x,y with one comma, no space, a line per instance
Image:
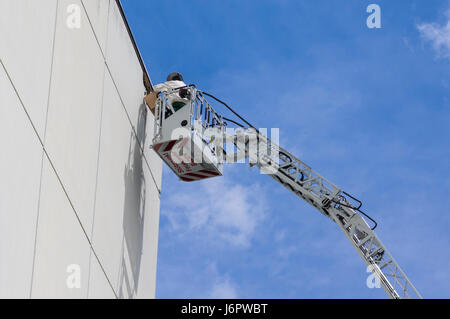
205,281
220,209
223,289
439,35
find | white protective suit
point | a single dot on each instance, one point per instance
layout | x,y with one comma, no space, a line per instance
175,97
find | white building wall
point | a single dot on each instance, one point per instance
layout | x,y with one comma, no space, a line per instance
79,186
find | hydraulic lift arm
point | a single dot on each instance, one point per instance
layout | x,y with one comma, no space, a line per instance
331,201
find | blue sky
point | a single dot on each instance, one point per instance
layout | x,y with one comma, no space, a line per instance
369,109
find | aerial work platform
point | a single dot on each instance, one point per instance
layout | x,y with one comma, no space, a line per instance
192,139
179,137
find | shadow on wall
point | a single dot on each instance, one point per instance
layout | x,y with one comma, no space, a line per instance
133,212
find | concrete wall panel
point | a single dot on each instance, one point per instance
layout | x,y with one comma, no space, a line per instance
20,170
147,280
26,34
98,12
127,203
125,68
91,200
113,182
125,215
61,244
138,265
75,111
153,160
99,288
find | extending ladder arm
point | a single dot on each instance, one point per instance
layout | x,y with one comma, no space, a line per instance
331,201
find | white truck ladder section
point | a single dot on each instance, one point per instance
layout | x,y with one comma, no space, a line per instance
205,131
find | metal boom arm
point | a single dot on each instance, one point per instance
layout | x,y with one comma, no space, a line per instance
332,202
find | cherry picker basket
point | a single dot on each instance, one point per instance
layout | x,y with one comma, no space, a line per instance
181,119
